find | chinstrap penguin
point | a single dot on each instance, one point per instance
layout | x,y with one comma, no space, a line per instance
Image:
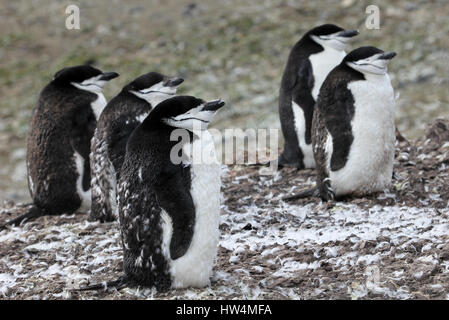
119,118
61,127
353,127
169,199
309,62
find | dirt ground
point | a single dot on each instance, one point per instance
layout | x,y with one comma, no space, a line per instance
392,245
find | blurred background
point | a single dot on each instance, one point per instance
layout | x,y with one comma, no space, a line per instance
230,49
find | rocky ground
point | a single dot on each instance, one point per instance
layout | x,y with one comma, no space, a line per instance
393,245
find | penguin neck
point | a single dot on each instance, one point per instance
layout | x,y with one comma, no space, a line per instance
322,63
376,77
63,92
306,47
135,104
344,73
155,126
98,105
125,94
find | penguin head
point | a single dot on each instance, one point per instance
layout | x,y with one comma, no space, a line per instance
369,60
83,77
154,87
185,112
332,36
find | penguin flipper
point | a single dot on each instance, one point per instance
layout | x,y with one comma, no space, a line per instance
300,86
302,96
82,131
173,195
337,110
116,138
32,214
118,284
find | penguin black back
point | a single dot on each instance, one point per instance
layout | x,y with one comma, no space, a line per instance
149,148
118,120
168,201
353,127
311,58
62,124
126,111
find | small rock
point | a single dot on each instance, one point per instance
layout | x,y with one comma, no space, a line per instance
248,226
444,252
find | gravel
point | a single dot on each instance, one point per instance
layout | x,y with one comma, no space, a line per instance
392,245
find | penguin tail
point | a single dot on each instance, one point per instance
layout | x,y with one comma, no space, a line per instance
33,213
118,284
312,192
284,163
281,162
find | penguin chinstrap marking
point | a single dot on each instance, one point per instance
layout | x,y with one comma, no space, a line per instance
61,127
169,197
118,119
353,127
309,62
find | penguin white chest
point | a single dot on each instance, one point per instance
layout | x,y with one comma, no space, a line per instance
322,63
369,167
98,105
85,196
142,117
300,127
195,267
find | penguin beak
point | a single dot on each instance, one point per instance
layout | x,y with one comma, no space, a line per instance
213,105
387,55
106,76
173,82
347,33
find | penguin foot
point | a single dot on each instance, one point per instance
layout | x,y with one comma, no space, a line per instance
118,284
326,191
312,192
